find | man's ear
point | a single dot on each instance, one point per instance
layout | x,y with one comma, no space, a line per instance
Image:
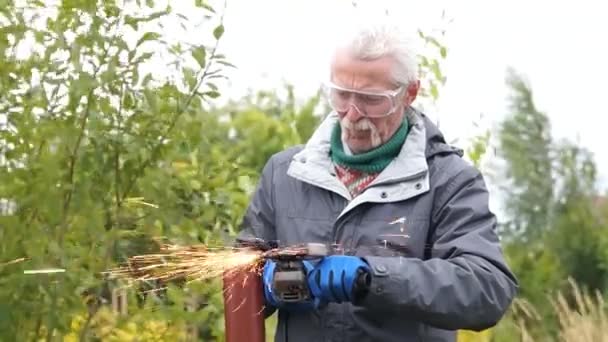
411,92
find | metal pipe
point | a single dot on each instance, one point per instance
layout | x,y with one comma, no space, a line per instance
243,307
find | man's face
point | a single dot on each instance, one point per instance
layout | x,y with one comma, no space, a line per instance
363,133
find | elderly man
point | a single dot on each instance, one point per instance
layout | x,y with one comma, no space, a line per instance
378,181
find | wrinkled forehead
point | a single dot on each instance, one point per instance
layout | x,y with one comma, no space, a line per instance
331,86
355,73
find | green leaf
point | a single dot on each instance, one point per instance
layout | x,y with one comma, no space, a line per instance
436,70
154,16
55,81
424,61
135,76
105,106
228,64
75,56
85,82
196,185
132,21
443,51
218,31
433,41
203,4
144,56
200,55
128,101
190,78
212,94
434,91
146,80
244,183
151,99
148,36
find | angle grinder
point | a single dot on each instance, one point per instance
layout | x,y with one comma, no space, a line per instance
290,283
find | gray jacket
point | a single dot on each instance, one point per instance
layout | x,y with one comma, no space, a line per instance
423,226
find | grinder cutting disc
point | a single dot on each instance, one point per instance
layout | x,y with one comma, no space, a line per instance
298,252
317,250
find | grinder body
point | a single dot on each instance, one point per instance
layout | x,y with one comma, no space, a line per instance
290,283
290,277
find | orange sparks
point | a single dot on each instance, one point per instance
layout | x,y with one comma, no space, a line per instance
192,263
13,262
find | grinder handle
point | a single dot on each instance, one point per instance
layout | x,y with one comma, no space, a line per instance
362,285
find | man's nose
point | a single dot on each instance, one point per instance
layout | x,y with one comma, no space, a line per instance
353,114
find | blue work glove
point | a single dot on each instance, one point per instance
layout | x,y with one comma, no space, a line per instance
334,279
272,300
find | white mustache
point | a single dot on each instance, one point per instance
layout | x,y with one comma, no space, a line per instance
361,125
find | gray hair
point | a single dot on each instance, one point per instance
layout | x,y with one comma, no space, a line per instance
383,39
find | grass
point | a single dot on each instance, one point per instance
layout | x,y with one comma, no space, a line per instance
578,316
582,318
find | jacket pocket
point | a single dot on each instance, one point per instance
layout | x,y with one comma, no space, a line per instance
391,246
381,238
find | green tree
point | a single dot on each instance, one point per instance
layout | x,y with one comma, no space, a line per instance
110,138
264,123
526,143
580,231
553,230
100,156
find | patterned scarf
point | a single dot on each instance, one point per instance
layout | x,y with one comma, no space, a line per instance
357,171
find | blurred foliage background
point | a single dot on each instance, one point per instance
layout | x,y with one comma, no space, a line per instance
100,153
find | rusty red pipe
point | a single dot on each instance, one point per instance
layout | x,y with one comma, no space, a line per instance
243,307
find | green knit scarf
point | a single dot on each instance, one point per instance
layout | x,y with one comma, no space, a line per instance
372,161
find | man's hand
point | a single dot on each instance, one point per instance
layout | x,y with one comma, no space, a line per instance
273,301
335,278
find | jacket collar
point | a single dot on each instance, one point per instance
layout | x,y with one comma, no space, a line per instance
313,163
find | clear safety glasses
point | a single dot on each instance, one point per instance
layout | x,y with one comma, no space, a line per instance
368,103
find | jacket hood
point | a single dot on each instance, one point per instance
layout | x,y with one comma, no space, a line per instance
435,141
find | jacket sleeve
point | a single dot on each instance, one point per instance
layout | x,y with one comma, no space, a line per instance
258,221
466,284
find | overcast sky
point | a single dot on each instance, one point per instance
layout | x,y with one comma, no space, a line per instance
560,46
